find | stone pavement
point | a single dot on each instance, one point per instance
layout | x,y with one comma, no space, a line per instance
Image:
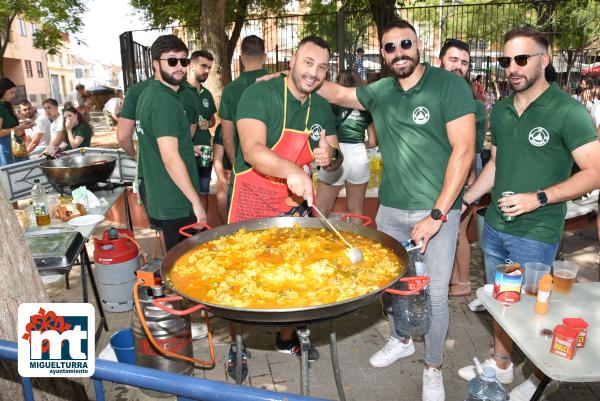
359,335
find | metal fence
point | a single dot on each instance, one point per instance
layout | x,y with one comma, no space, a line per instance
480,25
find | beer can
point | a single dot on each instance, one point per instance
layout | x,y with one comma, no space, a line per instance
504,216
205,155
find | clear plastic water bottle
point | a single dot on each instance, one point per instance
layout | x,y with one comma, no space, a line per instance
485,387
412,314
40,204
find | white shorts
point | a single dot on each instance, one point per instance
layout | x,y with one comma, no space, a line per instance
355,168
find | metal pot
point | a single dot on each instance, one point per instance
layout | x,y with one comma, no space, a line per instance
78,170
289,315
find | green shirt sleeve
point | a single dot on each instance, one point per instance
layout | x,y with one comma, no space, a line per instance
329,122
457,98
253,104
366,94
228,104
130,102
578,128
212,109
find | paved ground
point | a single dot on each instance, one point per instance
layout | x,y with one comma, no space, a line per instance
360,335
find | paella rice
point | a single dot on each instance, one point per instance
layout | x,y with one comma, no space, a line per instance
282,268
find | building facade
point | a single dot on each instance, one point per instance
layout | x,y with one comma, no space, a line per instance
60,71
26,65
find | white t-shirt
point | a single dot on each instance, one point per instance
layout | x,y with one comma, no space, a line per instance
56,126
596,113
114,105
43,125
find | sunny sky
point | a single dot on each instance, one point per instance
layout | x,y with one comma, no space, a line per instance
103,22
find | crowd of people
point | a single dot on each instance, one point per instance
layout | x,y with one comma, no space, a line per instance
430,123
44,134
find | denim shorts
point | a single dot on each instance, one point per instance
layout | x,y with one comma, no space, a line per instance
498,247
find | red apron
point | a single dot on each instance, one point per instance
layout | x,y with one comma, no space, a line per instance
256,195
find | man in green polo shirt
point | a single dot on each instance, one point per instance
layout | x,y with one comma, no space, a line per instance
455,56
537,133
283,127
253,59
198,70
166,153
425,124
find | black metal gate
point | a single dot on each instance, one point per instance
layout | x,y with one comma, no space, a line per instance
480,25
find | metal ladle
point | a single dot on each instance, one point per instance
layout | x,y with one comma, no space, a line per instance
354,254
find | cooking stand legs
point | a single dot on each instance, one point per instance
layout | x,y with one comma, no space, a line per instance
239,346
86,265
335,363
303,336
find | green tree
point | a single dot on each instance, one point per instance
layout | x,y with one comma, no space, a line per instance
52,16
217,25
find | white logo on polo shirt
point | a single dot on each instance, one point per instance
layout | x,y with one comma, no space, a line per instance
539,136
420,115
205,103
315,132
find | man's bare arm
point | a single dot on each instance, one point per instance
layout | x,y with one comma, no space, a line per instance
34,141
340,95
125,135
169,153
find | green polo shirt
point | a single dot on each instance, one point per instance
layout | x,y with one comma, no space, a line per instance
205,109
218,140
480,126
412,136
189,99
263,101
160,112
232,93
351,124
85,131
533,152
8,119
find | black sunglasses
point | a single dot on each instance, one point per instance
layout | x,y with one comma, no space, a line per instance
391,47
520,60
172,61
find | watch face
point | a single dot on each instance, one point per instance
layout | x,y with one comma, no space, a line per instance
436,214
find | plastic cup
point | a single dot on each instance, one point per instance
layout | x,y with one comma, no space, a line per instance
533,273
122,343
564,273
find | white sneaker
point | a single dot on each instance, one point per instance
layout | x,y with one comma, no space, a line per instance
476,305
199,330
433,385
525,390
504,376
393,350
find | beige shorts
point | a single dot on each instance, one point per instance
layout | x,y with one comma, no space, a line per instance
354,169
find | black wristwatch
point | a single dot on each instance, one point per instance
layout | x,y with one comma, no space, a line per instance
542,198
437,214
335,154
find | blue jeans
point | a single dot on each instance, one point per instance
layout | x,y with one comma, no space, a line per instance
439,259
498,247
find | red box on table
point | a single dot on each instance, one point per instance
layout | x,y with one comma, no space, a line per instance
564,341
581,326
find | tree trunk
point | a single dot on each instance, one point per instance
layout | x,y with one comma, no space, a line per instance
213,20
20,283
238,24
5,32
383,12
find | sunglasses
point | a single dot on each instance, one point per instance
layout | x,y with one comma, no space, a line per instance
172,61
391,47
520,60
